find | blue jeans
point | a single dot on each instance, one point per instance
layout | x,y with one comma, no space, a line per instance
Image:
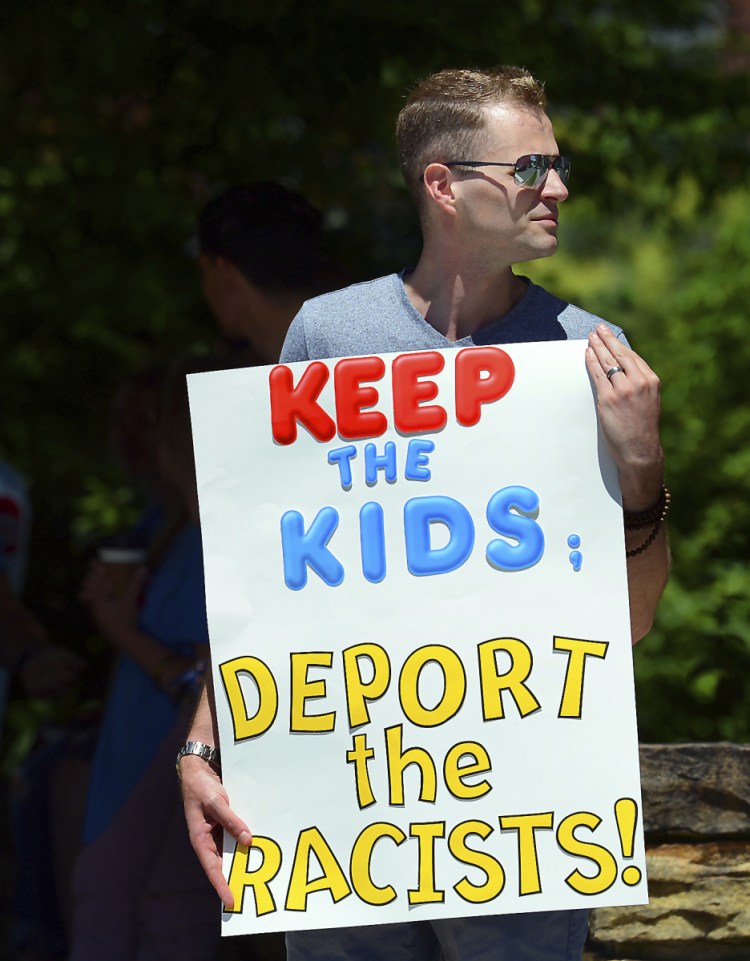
541,936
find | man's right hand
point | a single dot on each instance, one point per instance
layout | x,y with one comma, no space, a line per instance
207,813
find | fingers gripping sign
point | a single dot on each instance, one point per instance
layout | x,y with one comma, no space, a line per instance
208,813
627,396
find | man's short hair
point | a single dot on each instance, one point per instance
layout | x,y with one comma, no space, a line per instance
444,116
270,233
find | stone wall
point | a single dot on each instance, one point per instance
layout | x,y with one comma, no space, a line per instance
696,815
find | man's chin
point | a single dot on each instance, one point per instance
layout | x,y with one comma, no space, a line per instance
540,251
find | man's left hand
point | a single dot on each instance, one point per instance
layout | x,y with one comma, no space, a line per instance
628,401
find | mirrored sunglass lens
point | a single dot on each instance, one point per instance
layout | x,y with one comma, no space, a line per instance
562,166
529,170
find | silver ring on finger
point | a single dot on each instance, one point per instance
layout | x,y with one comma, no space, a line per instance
614,370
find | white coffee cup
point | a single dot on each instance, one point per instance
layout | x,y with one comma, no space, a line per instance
122,564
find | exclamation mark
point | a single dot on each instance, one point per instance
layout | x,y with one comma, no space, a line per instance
626,812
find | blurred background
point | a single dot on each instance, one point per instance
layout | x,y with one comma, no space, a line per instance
119,121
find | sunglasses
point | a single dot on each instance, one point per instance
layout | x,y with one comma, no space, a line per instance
530,170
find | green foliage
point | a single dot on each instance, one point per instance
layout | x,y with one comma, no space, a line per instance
680,288
125,118
102,509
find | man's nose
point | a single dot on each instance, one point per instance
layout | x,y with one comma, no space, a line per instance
553,186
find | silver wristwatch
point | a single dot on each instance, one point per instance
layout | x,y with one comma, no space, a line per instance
208,753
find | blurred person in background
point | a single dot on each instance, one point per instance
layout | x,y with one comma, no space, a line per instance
26,651
138,891
43,670
50,785
260,258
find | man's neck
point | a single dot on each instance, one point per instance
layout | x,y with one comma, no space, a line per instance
459,299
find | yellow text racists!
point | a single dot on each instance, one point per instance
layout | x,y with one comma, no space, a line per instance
494,853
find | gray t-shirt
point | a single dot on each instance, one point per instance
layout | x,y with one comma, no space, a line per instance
377,317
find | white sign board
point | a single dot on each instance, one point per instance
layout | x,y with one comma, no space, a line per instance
417,602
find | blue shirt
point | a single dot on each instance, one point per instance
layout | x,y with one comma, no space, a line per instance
138,714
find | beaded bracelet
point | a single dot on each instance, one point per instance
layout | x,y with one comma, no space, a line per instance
652,517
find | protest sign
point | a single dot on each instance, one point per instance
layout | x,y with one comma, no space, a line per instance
417,601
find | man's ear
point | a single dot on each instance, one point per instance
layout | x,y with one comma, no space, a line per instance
227,274
438,185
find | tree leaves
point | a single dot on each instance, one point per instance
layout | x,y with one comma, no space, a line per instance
121,120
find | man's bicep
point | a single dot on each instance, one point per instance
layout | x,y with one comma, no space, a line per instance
295,343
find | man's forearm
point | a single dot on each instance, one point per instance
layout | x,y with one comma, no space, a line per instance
648,570
648,574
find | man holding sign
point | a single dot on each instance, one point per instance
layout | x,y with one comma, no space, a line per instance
479,154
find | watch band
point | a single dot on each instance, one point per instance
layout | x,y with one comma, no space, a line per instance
208,753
